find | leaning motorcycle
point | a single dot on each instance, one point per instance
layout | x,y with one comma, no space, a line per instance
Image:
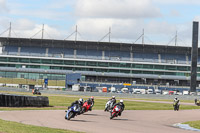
115,112
85,107
72,112
176,106
197,102
108,105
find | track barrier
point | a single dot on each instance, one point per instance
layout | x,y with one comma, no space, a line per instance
10,100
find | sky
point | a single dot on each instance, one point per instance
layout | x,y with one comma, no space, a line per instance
127,19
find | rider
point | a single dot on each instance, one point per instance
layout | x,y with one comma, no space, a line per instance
113,100
92,102
121,104
176,101
78,102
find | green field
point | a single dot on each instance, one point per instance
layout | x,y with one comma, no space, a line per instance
14,127
194,124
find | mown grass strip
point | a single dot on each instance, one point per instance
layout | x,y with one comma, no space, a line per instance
194,124
14,127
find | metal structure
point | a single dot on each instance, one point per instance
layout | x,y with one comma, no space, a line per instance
194,57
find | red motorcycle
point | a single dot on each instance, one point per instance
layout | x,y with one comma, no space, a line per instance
115,112
85,107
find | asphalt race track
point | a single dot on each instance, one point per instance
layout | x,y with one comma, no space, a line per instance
97,121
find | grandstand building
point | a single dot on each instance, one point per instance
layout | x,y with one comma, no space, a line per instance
37,59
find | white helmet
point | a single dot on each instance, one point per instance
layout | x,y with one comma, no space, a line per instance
121,101
80,100
113,96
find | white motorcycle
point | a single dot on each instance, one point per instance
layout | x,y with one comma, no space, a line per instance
108,105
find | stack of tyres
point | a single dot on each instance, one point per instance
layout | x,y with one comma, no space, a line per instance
27,101
21,101
1,100
7,100
44,101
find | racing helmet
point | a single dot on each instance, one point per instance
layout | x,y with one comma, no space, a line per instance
80,100
121,101
113,97
92,98
176,98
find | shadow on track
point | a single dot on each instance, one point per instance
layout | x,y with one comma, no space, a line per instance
122,119
80,120
92,114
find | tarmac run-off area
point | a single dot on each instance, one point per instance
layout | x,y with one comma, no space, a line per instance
98,121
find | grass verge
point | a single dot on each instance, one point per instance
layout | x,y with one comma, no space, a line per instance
194,124
14,127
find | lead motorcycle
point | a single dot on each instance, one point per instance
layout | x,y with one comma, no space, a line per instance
72,111
115,112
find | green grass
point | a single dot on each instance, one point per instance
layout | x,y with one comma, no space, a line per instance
14,127
195,124
60,102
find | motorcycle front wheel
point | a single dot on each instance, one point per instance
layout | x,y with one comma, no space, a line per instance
70,115
112,116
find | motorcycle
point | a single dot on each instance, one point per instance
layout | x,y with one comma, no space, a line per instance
176,106
85,107
36,92
197,102
108,105
72,112
115,112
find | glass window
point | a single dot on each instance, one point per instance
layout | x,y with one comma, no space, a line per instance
91,63
103,64
46,61
114,64
68,62
182,68
170,67
158,67
137,66
56,67
137,72
80,63
147,66
124,71
35,61
4,59
13,59
127,65
147,72
57,61
101,70
113,70
24,60
159,73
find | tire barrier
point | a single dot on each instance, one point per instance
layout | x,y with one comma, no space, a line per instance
10,100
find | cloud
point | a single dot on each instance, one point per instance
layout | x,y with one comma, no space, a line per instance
179,2
127,30
25,28
116,9
3,7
